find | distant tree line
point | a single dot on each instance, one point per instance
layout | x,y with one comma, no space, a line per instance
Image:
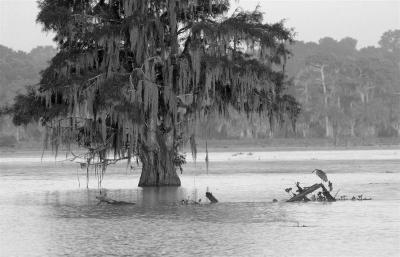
344,93
18,70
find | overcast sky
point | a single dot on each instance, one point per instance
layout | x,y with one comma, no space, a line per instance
312,20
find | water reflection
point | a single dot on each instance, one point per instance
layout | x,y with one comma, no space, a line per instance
160,203
151,196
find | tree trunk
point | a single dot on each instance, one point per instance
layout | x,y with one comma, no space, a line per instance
271,127
304,129
335,128
352,128
327,130
158,166
17,134
157,154
325,91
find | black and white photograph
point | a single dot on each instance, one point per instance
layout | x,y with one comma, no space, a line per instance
156,128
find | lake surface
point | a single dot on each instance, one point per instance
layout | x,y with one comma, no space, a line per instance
46,210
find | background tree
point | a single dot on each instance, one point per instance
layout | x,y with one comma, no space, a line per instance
17,70
132,78
347,92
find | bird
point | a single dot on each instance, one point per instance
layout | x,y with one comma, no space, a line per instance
287,190
322,175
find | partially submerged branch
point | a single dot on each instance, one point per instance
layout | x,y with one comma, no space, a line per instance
303,195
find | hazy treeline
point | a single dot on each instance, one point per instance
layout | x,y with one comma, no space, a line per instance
344,93
19,69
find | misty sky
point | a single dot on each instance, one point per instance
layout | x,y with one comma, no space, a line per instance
312,20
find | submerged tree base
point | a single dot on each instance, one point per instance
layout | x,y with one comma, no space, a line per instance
158,164
158,168
167,180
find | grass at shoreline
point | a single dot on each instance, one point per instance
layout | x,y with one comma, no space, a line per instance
262,145
288,144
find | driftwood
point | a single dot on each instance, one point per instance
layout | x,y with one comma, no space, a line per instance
303,195
210,197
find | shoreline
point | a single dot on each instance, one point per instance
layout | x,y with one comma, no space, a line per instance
245,145
292,144
236,155
259,144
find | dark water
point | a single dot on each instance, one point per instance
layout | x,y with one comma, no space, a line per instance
46,211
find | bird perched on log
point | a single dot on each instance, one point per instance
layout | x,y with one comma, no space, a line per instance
322,175
299,188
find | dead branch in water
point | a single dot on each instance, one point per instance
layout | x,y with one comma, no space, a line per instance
303,195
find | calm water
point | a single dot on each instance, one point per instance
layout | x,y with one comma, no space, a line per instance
46,210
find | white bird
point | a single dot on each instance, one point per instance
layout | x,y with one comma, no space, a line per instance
322,175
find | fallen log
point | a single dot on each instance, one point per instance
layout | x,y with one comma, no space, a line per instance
307,191
303,195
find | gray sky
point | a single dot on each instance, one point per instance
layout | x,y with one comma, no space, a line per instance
311,19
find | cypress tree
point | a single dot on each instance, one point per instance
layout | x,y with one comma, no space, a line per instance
132,77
